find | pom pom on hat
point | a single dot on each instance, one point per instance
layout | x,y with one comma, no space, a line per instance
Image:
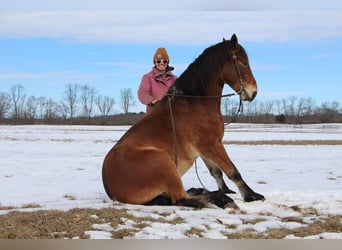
161,53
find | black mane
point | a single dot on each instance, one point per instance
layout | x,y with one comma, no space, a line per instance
196,78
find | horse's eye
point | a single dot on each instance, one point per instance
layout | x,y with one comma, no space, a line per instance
244,62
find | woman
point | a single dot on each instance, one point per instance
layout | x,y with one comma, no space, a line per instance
155,84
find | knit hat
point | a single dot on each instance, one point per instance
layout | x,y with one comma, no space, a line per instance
161,53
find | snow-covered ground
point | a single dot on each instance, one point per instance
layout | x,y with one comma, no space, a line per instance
46,165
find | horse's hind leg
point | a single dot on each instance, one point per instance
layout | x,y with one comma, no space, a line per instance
172,190
217,174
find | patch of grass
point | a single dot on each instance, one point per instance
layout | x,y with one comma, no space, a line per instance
293,219
305,211
55,224
69,197
331,224
51,224
248,233
262,182
31,205
7,207
194,231
253,221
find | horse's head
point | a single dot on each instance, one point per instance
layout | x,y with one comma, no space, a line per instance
238,74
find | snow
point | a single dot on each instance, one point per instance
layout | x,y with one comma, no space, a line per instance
59,167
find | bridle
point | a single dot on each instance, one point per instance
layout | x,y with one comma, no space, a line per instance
240,76
240,110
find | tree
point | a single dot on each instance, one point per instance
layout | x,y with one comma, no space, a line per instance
41,105
5,104
31,107
18,100
87,100
127,99
70,96
292,107
51,110
105,104
63,110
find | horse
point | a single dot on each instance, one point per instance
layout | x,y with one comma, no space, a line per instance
148,161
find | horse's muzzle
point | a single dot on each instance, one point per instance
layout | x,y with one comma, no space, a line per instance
248,95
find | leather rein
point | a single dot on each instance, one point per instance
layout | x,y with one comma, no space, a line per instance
169,97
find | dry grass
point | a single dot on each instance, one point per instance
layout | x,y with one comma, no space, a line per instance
54,224
331,224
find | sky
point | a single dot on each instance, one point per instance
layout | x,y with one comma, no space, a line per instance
109,45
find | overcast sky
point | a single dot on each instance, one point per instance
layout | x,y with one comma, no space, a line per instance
45,45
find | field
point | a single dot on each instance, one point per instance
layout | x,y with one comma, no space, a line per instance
51,187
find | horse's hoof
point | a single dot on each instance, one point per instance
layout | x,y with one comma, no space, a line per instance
221,200
190,203
254,197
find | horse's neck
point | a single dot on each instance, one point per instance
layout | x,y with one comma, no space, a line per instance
215,88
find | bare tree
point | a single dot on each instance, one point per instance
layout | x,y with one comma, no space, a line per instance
41,102
63,109
253,107
31,107
87,100
105,104
309,106
225,107
5,104
292,106
268,107
70,96
51,110
278,105
127,99
18,100
284,107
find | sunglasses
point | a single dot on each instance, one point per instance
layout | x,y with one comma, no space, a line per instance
159,61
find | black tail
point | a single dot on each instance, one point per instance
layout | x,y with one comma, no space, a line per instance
160,201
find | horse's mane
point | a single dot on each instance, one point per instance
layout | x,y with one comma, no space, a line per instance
196,78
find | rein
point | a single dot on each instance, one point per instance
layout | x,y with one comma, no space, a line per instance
240,110
169,97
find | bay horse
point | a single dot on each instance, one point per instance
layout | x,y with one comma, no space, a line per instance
151,157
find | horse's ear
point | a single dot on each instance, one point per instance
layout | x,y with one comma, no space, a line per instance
224,40
234,43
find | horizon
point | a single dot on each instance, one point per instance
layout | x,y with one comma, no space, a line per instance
292,53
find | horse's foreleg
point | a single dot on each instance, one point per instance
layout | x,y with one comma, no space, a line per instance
221,159
217,174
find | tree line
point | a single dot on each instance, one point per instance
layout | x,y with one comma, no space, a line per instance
81,104
286,110
78,102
